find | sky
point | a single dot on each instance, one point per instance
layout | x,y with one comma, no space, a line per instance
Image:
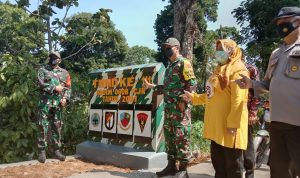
136,18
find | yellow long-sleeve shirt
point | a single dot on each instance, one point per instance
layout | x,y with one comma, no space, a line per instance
226,109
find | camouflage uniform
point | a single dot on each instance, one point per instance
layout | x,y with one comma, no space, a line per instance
50,110
179,76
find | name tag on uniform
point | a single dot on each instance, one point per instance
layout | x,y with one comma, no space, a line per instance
295,52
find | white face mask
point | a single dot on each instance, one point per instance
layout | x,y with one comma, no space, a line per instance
221,57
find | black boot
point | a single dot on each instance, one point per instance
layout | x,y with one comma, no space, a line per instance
169,170
182,172
59,155
42,156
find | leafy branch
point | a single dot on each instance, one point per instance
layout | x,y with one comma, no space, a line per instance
88,43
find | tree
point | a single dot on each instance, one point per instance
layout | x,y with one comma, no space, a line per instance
46,10
259,32
21,44
139,55
189,21
95,36
87,42
163,29
203,47
19,33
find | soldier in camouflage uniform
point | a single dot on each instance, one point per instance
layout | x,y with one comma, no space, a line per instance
179,76
55,87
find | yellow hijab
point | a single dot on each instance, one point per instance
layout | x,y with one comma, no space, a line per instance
222,72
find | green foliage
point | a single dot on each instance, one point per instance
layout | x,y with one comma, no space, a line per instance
106,46
19,33
163,29
259,32
139,55
198,141
18,100
75,115
20,41
203,11
45,13
206,11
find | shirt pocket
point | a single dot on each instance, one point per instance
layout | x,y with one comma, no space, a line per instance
293,67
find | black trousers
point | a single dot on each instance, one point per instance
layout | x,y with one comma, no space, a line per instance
227,162
284,150
249,155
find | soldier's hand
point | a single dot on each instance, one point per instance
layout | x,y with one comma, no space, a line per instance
63,102
187,96
59,88
147,85
244,82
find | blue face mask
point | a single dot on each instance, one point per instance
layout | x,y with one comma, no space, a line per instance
221,57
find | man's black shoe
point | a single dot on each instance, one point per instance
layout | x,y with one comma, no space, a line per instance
170,170
59,155
42,157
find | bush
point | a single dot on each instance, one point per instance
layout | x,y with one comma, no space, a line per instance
75,116
18,103
198,142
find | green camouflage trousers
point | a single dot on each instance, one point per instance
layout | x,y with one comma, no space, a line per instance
49,124
177,131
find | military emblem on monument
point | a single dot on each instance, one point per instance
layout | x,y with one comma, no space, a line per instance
142,118
125,119
95,119
109,120
142,123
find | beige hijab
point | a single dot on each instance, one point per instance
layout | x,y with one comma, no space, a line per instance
234,64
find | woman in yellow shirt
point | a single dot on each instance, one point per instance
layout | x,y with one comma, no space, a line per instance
226,114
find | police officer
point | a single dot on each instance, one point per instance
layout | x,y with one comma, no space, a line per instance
252,105
55,90
179,76
282,80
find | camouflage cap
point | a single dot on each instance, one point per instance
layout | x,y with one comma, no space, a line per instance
55,53
171,42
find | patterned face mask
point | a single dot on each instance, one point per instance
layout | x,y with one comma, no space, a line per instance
221,57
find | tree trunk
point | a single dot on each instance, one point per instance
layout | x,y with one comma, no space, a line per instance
184,26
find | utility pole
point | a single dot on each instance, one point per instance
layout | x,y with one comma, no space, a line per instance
221,34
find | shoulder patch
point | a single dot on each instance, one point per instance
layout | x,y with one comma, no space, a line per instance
188,71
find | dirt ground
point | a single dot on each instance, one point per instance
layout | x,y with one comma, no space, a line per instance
55,169
65,169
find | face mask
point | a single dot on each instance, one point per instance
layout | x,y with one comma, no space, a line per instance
284,29
221,57
169,52
54,60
